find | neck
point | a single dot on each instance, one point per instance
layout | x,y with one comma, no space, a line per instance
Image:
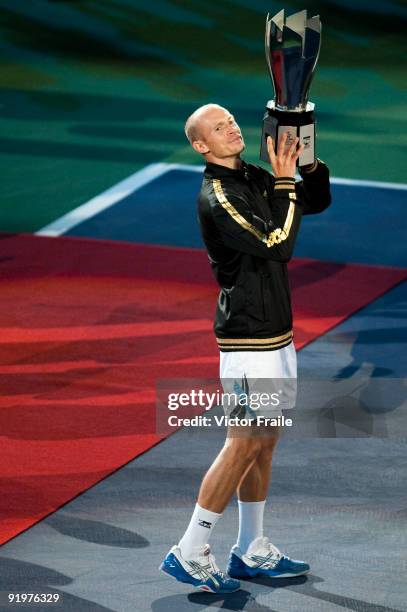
233,162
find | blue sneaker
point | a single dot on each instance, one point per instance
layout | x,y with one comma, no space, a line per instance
265,559
202,572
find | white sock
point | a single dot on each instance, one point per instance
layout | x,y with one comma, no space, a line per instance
198,532
250,523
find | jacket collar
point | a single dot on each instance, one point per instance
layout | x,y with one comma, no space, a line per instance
216,170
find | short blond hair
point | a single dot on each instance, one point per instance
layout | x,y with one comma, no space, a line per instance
192,123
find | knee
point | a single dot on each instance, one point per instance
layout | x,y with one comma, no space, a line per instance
268,445
245,449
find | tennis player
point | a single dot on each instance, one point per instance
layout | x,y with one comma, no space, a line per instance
249,221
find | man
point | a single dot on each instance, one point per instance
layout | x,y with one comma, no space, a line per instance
249,221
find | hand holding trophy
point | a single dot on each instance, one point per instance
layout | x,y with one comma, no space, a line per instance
292,47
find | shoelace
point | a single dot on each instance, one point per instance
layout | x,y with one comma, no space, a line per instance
212,567
273,551
273,554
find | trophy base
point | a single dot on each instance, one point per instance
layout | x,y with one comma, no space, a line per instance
296,124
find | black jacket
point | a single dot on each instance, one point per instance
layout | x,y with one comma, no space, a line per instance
249,222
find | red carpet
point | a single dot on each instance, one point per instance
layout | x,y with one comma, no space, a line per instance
87,327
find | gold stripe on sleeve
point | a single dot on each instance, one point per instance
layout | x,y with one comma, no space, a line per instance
222,199
283,185
274,237
278,235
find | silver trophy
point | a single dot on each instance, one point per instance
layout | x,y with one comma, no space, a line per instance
292,47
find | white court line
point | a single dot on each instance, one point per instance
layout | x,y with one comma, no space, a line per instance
146,175
187,167
360,183
104,200
335,181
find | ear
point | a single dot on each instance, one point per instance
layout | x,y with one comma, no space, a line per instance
200,147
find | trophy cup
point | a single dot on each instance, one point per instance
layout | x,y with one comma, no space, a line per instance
292,47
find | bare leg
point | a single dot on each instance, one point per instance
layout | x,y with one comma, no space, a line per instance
252,492
225,473
255,482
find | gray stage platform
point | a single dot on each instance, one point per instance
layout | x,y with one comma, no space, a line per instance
338,503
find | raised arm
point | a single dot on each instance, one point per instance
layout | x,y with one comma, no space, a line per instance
314,189
241,230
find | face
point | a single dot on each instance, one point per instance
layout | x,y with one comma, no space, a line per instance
220,135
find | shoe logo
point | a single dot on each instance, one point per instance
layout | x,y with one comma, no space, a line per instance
268,562
203,573
206,524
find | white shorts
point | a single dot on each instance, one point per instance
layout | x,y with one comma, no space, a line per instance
259,372
281,363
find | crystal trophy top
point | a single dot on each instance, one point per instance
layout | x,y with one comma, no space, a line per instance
292,46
